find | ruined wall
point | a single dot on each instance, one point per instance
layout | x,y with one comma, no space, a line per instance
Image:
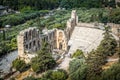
61,40
115,28
28,42
63,36
71,23
50,37
20,44
74,16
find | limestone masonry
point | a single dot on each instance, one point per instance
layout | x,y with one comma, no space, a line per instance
84,36
30,40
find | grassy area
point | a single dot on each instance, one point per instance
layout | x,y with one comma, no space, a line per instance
58,20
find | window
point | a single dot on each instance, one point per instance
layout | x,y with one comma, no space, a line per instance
30,46
33,43
26,46
30,34
60,46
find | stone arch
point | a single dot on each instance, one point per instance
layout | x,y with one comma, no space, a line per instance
33,33
26,35
30,45
38,42
61,40
34,43
60,46
60,34
30,34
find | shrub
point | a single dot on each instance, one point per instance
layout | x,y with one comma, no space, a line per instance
77,69
112,73
16,19
19,65
56,75
77,54
24,9
44,60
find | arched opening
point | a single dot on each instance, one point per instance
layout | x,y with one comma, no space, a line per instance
60,45
30,45
26,46
30,34
34,44
26,35
60,34
38,44
33,33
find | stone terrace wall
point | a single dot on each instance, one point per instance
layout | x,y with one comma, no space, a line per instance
28,41
115,28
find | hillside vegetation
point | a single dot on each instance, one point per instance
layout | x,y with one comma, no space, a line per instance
39,19
57,20
52,4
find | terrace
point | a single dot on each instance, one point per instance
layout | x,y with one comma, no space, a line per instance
85,39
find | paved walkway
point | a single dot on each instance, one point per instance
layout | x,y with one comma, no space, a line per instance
65,63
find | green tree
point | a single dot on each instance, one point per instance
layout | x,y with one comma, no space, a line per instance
78,54
77,69
95,60
108,44
114,16
113,73
56,75
19,65
30,78
57,25
44,60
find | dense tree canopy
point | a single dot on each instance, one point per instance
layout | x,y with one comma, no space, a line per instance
78,54
51,4
114,16
19,65
112,73
77,69
56,75
43,61
108,44
98,57
51,75
95,60
35,4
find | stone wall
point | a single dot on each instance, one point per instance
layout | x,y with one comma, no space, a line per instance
115,28
28,42
49,36
61,40
71,23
